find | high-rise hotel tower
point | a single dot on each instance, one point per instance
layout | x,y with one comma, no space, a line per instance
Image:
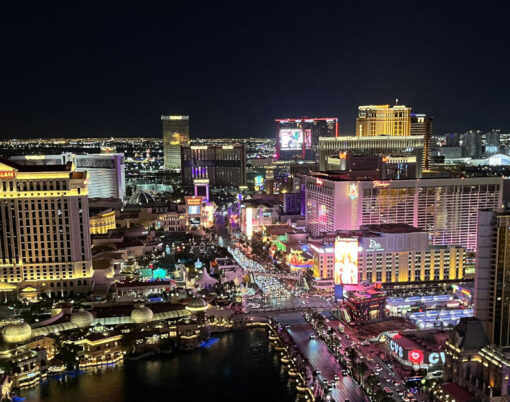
175,134
376,120
44,228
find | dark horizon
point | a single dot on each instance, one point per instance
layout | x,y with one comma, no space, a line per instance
113,71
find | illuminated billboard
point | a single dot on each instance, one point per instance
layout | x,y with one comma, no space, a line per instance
259,181
194,210
291,139
249,222
346,261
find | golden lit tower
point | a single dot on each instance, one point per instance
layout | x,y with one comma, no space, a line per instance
44,228
175,134
377,120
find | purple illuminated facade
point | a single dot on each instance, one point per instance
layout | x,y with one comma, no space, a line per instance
222,166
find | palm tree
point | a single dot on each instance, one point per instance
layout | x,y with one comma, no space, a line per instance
382,396
371,382
361,369
351,353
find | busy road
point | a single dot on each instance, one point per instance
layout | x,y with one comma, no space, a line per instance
320,358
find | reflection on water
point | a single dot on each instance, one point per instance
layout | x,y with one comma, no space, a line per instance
239,366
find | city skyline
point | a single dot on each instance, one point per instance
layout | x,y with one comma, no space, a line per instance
84,73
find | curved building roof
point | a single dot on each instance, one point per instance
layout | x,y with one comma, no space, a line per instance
141,198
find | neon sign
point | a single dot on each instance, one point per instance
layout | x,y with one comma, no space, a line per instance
416,356
435,358
194,201
374,245
378,183
397,349
7,174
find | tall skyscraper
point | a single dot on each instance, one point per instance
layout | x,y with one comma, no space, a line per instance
447,208
44,227
492,142
421,125
175,135
492,280
299,138
220,166
472,144
376,120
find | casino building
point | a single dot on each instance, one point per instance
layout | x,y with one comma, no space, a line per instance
419,349
395,255
220,166
405,146
447,208
44,228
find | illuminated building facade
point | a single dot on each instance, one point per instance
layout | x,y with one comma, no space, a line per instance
44,223
101,221
422,349
474,365
106,172
447,208
255,214
364,303
175,135
299,138
376,120
223,166
492,280
407,146
199,213
421,125
376,166
392,254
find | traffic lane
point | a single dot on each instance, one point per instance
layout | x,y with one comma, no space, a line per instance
385,374
319,356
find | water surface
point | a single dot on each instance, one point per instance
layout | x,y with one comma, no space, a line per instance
239,366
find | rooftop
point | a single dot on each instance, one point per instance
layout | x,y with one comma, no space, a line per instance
36,168
458,393
431,340
391,228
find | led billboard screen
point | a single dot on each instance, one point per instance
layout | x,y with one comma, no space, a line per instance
291,139
194,210
346,261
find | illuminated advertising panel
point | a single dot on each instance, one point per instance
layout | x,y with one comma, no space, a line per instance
346,261
249,222
194,210
291,139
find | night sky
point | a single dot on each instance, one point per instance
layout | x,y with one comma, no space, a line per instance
83,70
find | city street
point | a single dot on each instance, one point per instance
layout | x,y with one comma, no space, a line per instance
319,356
386,375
